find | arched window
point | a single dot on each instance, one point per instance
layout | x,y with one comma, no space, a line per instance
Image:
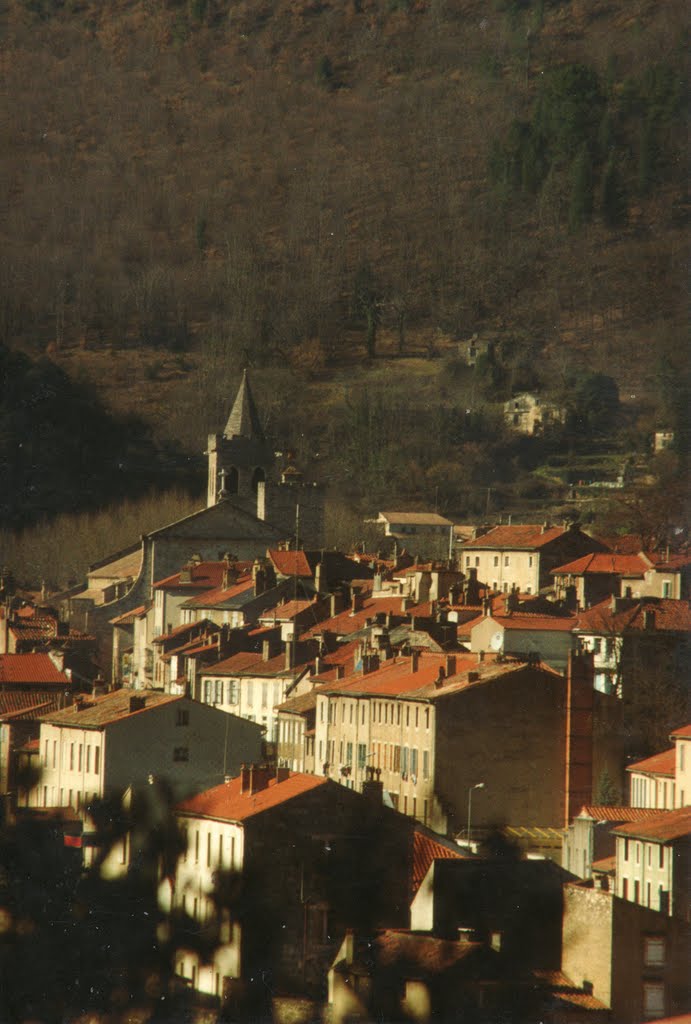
259,476
232,480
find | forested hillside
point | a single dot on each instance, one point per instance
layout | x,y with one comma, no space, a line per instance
317,188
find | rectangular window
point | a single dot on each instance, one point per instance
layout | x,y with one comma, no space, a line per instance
349,753
666,588
530,561
404,760
597,645
351,712
361,755
425,764
250,693
653,1000
506,559
398,714
208,849
496,560
321,711
397,759
182,717
413,762
208,684
88,758
97,760
265,695
662,855
71,757
218,691
181,754
363,713
55,753
417,717
426,718
196,847
232,692
79,758
407,716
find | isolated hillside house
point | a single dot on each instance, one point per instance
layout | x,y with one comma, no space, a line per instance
632,958
309,859
528,413
250,507
522,557
435,725
101,746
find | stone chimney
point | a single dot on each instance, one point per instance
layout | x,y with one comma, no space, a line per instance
258,578
282,774
451,664
356,601
512,601
414,661
373,788
486,607
137,703
255,778
441,676
336,603
319,578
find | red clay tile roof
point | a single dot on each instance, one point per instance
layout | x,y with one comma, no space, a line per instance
99,712
216,595
512,537
658,764
604,562
347,621
673,563
239,662
426,850
127,618
291,563
539,623
28,669
185,628
669,615
227,803
683,733
286,611
203,575
565,990
618,814
423,952
606,865
624,544
20,705
665,827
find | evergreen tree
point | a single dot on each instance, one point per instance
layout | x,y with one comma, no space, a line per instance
581,202
614,205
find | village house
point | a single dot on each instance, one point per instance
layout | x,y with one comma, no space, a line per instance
311,858
595,577
102,745
630,640
35,674
428,723
632,958
133,653
522,557
652,782
653,861
20,717
525,635
589,840
667,575
251,685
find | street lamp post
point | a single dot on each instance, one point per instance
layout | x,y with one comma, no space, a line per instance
478,785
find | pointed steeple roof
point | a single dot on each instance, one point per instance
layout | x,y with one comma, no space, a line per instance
244,419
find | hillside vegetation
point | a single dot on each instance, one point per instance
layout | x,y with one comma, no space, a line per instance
337,194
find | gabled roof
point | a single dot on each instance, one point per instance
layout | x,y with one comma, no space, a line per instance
512,537
99,712
629,615
683,733
23,705
127,618
664,827
244,419
227,803
187,629
604,562
28,669
426,849
533,623
348,621
291,563
658,764
202,576
217,596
